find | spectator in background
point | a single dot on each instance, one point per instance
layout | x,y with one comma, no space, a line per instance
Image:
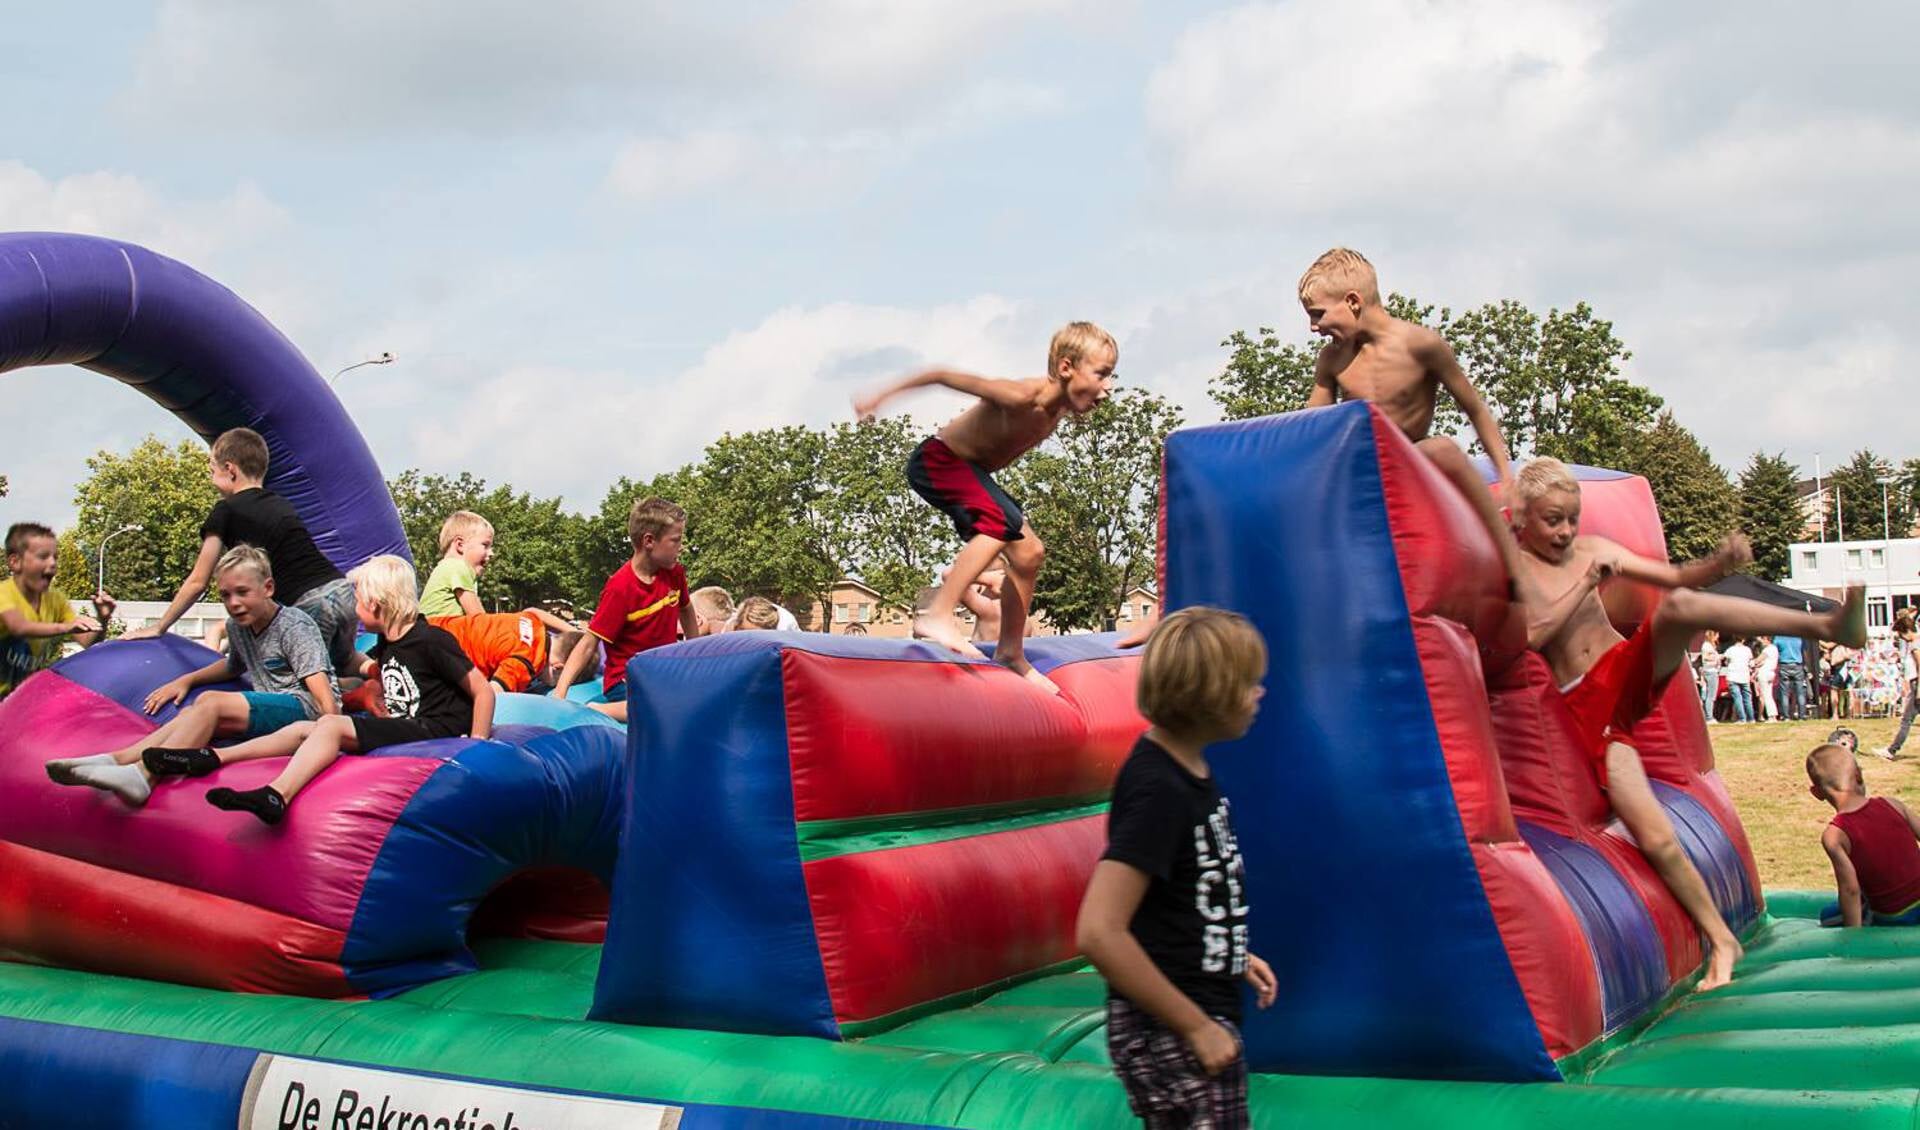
1903,632
1766,672
1708,667
1737,664
1793,677
1838,660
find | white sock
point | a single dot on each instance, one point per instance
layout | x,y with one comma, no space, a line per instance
128,782
61,768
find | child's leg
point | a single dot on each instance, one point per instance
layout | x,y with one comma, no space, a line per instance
1459,470
216,712
935,622
1685,613
319,748
280,743
1016,595
1634,802
1769,710
614,710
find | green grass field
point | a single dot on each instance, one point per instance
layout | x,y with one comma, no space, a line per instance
1764,767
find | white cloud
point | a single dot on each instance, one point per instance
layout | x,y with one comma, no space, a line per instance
120,206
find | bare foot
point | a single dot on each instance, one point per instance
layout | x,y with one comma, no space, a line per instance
1018,665
1726,954
931,629
1849,621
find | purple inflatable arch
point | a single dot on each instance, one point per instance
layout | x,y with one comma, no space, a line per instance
197,350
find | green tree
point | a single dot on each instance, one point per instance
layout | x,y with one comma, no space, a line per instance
878,527
1909,475
1698,505
536,543
161,490
1554,382
1090,494
1854,494
1770,513
755,519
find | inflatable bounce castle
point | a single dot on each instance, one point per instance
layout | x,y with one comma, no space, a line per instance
824,881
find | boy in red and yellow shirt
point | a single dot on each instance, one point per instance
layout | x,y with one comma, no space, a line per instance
644,605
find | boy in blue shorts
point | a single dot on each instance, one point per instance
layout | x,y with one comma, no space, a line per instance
1164,918
277,649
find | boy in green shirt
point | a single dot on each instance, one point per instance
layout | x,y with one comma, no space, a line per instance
466,545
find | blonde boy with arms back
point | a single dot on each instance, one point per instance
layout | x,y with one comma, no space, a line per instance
452,588
1610,683
432,691
278,650
953,470
1400,368
36,618
1871,843
1157,921
250,514
641,604
713,608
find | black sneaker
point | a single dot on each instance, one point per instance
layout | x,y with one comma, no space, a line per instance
164,762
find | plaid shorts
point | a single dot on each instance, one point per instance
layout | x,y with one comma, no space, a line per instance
1166,1086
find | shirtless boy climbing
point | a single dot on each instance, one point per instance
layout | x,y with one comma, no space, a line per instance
953,471
1611,683
1400,368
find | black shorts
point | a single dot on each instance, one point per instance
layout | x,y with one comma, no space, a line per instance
377,733
963,492
1166,1086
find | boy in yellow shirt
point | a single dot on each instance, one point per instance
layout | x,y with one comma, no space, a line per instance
36,618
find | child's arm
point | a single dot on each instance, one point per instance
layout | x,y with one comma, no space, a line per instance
1433,351
1103,935
689,620
1845,879
576,663
1002,393
176,689
1734,552
469,602
1545,620
481,692
550,620
321,688
103,606
1325,391
191,589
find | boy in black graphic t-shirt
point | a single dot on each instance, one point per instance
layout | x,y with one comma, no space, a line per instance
432,691
1164,918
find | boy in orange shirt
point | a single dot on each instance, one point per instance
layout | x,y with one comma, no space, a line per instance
513,650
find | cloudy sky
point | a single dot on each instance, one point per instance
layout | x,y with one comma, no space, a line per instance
647,224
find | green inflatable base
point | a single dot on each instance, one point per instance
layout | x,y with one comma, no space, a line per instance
1821,1028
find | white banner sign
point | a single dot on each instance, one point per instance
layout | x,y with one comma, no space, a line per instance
287,1093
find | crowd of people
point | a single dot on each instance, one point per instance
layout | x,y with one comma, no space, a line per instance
1790,679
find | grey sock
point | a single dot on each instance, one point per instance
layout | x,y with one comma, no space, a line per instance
127,782
61,769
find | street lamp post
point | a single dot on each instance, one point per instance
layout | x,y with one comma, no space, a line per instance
384,359
1886,541
101,587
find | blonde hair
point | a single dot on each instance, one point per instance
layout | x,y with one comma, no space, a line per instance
713,603
245,557
1832,769
389,584
1338,272
758,612
1075,341
243,448
1540,478
1198,667
462,524
652,516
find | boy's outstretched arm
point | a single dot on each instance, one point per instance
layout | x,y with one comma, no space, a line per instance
1005,394
321,688
1113,894
550,620
191,590
1438,357
481,692
103,606
1845,879
1734,551
175,689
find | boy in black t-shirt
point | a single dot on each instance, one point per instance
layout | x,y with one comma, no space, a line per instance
432,691
1164,918
250,514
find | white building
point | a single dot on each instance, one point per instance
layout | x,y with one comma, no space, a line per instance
1889,569
139,613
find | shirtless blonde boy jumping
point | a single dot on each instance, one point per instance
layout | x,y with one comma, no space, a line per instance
1611,683
1400,367
953,471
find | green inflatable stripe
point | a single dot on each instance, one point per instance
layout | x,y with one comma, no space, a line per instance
824,839
1821,1029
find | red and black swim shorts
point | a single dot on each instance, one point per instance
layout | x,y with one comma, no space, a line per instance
964,492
